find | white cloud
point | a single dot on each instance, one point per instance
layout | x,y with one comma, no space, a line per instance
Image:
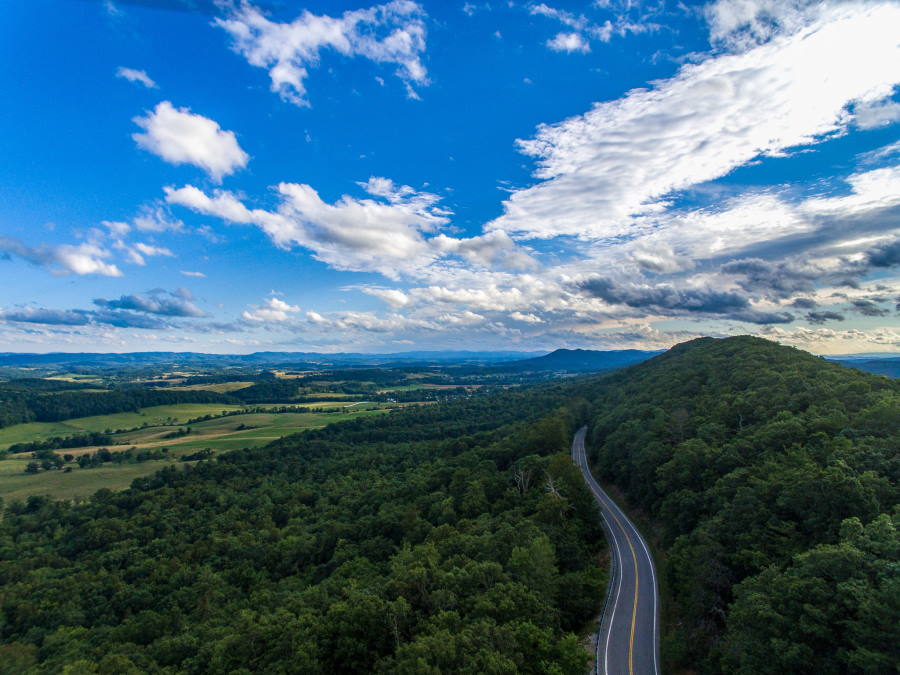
582,29
85,258
116,229
390,33
351,234
527,318
391,296
876,115
138,251
569,42
182,137
488,250
139,76
273,309
152,218
623,157
739,24
199,275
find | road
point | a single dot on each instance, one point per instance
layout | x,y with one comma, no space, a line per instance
628,638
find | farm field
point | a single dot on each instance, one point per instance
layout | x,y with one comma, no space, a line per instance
219,387
156,415
218,435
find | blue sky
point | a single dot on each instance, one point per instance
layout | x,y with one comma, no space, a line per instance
336,176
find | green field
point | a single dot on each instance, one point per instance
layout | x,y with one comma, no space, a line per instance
219,435
156,415
219,387
15,484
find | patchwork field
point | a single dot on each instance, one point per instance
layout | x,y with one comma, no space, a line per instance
156,415
219,387
218,435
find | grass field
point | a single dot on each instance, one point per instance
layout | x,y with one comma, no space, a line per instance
15,484
160,414
219,435
219,387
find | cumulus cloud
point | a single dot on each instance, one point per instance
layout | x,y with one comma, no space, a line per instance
138,76
494,248
177,303
392,33
384,235
181,137
273,309
391,296
85,258
623,158
569,42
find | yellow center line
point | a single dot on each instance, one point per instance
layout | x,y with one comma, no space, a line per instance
636,587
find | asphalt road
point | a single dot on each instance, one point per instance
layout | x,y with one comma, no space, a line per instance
628,639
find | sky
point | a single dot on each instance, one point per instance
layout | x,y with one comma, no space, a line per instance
202,175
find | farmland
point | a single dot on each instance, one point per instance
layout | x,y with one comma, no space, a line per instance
155,428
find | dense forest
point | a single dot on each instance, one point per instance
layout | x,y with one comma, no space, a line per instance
774,478
452,538
459,537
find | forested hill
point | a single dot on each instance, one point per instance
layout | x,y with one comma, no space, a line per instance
441,539
773,475
580,360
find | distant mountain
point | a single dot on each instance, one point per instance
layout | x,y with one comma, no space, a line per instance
884,366
295,359
581,360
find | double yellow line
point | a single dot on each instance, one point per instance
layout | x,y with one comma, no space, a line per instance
637,585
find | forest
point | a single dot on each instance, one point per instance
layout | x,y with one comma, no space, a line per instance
451,538
459,537
773,478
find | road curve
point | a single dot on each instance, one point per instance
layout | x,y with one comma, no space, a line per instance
628,637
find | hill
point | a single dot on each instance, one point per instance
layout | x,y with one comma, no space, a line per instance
581,360
772,478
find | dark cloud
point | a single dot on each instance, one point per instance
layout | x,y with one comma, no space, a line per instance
804,303
781,279
868,308
178,303
83,317
49,317
128,320
667,297
822,317
885,256
756,316
727,304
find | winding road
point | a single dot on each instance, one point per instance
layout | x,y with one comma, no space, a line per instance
628,637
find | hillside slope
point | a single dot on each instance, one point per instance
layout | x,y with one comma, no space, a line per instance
774,477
